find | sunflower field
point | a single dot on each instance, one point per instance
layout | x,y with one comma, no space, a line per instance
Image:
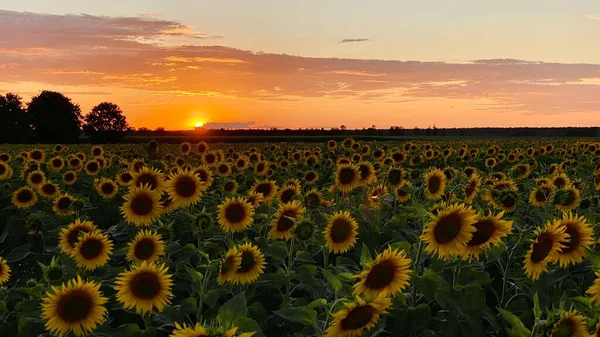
345,238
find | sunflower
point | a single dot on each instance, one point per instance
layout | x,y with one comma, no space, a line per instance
184,331
97,151
402,192
36,179
311,177
185,188
37,155
146,246
489,232
24,197
92,167
55,164
252,264
560,180
6,171
287,193
357,317
367,173
62,204
4,271
540,195
544,249
185,148
450,230
106,188
69,178
285,219
142,206
69,236
267,188
394,176
49,190
229,265
77,306
347,177
75,163
389,274
230,187
469,170
211,158
223,169
254,199
570,324
567,198
5,157
581,237
92,250
341,232
376,195
435,183
235,214
472,188
144,287
151,177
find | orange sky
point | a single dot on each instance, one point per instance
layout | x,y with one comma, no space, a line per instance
165,73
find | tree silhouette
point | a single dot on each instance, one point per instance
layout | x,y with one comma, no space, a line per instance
14,127
105,123
54,118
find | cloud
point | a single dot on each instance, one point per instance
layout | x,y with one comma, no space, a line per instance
146,14
593,17
353,40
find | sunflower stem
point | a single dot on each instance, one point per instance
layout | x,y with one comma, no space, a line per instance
289,269
505,277
456,274
417,264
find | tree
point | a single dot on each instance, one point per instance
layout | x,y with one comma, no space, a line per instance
54,118
105,123
14,127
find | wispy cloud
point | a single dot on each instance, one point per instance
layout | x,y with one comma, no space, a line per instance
353,40
593,17
150,14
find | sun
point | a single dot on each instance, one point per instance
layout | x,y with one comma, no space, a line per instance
199,125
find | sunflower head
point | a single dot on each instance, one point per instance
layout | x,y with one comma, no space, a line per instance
544,248
229,265
142,206
341,232
358,316
252,264
388,274
235,214
144,287
435,183
347,177
24,197
285,219
450,230
185,188
4,271
146,246
92,250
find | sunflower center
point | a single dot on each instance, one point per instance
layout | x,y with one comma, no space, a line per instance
541,248
49,189
145,285
36,178
223,169
147,179
92,166
36,155
69,177
564,329
210,158
540,196
74,307
433,185
310,176
229,186
247,262
284,223
509,201
126,177
447,228
401,192
264,188
142,204
287,194
73,235
2,169
573,241
185,186
227,265
485,230
395,176
347,175
471,188
381,275
340,230
24,196
91,248
358,318
364,172
569,197
313,200
107,188
235,213
144,249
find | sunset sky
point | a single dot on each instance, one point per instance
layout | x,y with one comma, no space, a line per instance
311,63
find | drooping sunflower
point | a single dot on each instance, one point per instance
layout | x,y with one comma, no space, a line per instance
36,179
144,287
358,316
285,219
146,246
69,236
402,192
347,177
77,307
142,206
570,324
341,232
388,274
544,249
581,237
489,232
567,198
435,183
24,197
367,173
62,204
472,188
450,230
267,188
185,188
151,177
69,178
235,214
49,190
376,194
4,271
252,264
92,250
287,193
229,265
106,188
560,180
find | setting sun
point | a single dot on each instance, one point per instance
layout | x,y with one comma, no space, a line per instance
199,125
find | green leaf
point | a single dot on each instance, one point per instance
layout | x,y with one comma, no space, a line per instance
301,315
365,255
194,274
18,253
335,283
188,306
247,324
304,257
317,303
232,310
127,330
517,328
536,306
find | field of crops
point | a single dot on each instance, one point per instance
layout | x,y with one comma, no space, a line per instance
348,238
